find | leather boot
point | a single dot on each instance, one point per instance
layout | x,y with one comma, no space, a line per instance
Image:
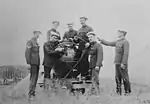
118,90
118,87
127,88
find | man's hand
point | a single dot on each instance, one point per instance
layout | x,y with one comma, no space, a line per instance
59,49
122,66
87,45
75,38
97,68
65,39
29,67
71,39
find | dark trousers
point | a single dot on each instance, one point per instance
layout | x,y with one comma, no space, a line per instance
34,72
47,76
47,71
122,74
83,66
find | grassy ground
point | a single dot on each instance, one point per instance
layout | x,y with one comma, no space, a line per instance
140,95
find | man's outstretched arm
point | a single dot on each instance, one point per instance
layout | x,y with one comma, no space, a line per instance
107,43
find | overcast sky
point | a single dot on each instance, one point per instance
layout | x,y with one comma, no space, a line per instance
18,18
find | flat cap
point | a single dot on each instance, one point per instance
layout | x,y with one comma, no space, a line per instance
55,22
85,18
71,23
124,32
91,33
34,32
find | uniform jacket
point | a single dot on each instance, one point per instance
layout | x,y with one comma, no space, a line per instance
85,29
32,52
96,55
121,50
49,48
70,34
49,33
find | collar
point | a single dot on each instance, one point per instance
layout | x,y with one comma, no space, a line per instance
71,30
92,43
84,26
120,39
54,30
53,42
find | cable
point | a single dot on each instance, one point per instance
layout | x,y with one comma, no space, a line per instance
75,64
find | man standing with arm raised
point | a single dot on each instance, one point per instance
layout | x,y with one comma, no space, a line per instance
121,61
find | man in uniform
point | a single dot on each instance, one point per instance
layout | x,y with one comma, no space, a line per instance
121,61
83,66
71,33
55,25
95,59
33,59
49,61
85,28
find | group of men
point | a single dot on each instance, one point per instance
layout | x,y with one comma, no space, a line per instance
91,60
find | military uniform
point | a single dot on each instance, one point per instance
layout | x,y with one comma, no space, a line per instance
83,66
95,58
70,34
48,61
121,57
33,59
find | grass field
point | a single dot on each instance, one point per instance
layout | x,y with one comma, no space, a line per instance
140,95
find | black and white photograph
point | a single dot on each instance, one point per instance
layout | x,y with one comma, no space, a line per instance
74,52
